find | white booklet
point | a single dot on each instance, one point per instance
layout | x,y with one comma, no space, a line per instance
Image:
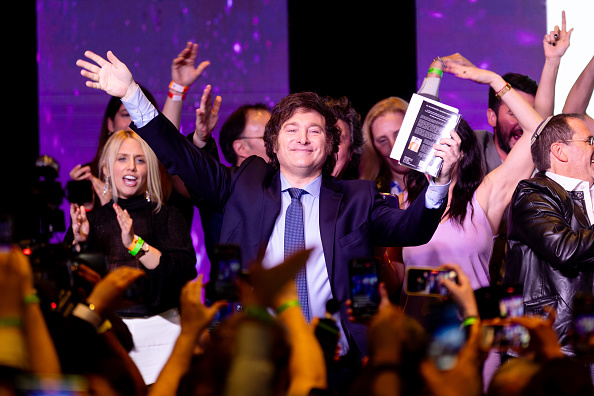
426,122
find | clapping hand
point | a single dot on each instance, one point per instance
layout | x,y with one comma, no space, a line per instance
125,222
80,223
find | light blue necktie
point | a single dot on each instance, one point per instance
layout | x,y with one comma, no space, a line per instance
295,242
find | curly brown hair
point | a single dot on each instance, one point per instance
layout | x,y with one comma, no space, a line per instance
289,105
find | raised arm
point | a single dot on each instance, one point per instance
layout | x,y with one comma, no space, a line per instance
207,116
579,96
202,175
495,192
554,44
195,318
183,75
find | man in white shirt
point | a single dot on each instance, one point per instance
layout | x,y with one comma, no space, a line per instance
550,240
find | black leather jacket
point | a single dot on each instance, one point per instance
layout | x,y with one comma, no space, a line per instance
550,248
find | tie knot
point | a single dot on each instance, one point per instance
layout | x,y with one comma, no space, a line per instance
296,193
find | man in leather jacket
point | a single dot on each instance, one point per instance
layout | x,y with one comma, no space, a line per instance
551,239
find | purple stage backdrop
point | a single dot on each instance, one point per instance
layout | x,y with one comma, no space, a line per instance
246,42
502,36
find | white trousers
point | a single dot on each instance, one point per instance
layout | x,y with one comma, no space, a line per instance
154,338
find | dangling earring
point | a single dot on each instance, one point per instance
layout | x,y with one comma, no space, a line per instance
147,195
106,186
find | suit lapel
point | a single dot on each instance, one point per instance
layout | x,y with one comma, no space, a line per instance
330,198
271,208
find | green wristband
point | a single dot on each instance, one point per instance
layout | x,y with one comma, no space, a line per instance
31,299
258,313
469,321
11,322
287,305
137,248
436,71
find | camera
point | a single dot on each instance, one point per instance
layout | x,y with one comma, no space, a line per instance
32,227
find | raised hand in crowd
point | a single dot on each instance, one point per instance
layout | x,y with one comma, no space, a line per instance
195,318
275,287
544,341
461,292
555,44
464,379
207,116
24,340
184,74
111,75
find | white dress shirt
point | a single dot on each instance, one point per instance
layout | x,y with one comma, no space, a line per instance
571,184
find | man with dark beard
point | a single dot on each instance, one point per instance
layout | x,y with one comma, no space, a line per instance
506,130
495,148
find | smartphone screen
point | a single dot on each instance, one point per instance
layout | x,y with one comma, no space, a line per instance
447,336
426,281
227,267
364,287
508,336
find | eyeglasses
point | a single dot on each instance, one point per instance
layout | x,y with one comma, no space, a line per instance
248,137
589,140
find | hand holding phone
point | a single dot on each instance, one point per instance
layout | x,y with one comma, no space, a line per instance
499,303
226,267
427,281
364,287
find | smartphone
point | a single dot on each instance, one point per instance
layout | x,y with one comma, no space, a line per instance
79,191
447,336
509,303
226,268
426,281
582,334
327,332
364,287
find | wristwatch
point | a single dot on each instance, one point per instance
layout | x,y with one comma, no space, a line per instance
143,250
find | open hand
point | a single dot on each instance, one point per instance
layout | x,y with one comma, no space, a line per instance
183,71
111,75
206,117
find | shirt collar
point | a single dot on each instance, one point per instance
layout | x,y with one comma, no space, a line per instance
569,183
312,188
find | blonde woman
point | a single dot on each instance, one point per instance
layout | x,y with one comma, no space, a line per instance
135,229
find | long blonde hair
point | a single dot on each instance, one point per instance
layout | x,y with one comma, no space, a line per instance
371,161
108,158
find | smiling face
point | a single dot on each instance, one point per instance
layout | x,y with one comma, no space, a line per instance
130,169
301,145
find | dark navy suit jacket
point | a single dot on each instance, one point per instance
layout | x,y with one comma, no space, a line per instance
353,216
